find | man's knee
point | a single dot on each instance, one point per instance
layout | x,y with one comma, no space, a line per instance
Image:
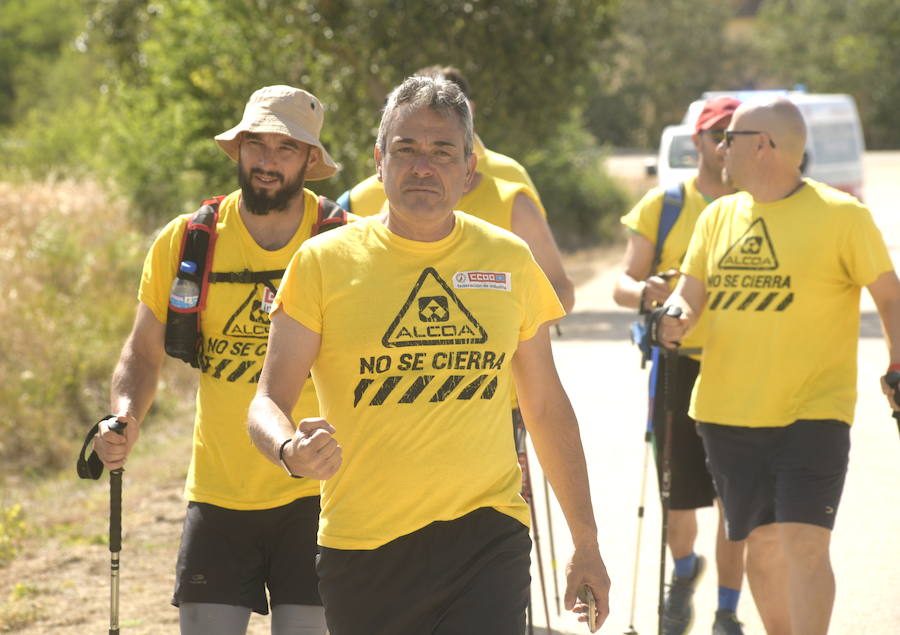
804,543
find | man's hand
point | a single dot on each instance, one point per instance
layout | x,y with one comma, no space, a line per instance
113,447
313,452
889,384
657,289
672,330
586,567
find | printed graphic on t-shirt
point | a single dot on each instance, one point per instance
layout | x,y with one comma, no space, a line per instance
496,280
431,319
251,318
433,316
238,352
753,251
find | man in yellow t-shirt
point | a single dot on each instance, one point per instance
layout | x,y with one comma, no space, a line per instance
249,526
413,323
778,269
650,273
501,192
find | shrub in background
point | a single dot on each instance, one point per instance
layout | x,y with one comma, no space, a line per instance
70,263
583,202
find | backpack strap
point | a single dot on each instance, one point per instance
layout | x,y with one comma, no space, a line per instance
249,277
331,216
673,202
183,339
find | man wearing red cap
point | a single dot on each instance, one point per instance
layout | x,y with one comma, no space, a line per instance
649,275
777,272
249,537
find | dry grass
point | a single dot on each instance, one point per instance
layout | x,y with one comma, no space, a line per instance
69,266
70,262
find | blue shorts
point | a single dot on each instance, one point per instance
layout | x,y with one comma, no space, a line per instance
790,474
456,577
231,556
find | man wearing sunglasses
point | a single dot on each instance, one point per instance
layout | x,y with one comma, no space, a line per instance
647,280
777,271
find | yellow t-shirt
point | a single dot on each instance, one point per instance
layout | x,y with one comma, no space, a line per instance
644,219
226,469
367,197
414,371
783,281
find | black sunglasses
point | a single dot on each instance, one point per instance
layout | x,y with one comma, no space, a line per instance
729,136
716,135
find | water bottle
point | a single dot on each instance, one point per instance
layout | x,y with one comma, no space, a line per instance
186,287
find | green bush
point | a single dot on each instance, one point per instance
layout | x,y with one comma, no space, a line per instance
583,203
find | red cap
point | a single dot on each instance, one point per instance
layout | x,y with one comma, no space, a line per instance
714,111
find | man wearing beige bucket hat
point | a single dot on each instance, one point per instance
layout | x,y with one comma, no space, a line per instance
250,525
412,323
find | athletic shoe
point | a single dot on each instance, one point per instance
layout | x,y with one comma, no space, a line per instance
678,612
727,624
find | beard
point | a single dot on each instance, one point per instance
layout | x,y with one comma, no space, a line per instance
262,202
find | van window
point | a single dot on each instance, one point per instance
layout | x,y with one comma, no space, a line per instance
833,143
682,153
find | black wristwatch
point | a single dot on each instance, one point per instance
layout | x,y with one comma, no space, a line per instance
281,458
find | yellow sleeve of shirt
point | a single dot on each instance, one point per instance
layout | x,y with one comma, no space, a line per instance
644,217
160,267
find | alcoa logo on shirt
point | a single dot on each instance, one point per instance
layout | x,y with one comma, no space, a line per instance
497,280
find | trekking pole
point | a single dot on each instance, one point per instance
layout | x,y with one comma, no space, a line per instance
552,545
522,450
893,380
90,467
648,440
115,535
670,379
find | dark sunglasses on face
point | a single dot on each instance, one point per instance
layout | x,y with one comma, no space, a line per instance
729,136
716,135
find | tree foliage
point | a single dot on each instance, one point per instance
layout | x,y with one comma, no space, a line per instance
180,71
844,46
662,57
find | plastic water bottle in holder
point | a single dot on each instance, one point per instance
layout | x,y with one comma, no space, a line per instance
186,287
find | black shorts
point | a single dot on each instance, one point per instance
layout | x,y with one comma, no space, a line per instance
230,556
691,485
791,474
461,577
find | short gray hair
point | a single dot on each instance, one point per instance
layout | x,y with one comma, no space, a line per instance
439,94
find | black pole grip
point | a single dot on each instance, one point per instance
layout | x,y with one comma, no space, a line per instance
115,511
115,497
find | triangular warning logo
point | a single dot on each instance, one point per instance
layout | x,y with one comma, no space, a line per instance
251,319
432,316
753,250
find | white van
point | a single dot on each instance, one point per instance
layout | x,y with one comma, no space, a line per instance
834,144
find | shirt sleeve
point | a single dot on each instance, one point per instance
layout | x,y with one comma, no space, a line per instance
540,301
696,258
160,267
300,293
644,216
864,254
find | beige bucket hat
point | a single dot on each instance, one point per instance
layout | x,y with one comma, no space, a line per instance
285,110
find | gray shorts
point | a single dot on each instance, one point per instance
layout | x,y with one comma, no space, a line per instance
791,474
230,556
